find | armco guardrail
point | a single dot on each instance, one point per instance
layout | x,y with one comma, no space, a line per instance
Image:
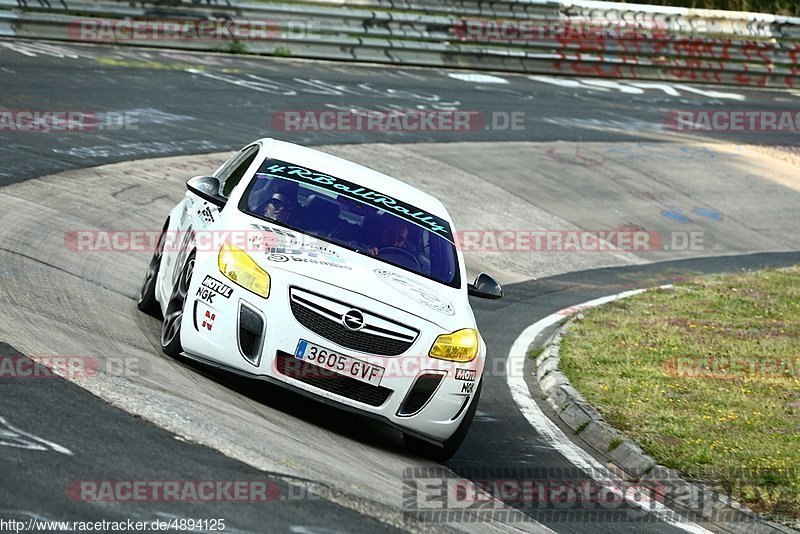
584,38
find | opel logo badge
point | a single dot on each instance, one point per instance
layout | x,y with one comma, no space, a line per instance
353,320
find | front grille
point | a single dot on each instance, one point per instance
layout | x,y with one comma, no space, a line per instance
325,379
420,394
323,316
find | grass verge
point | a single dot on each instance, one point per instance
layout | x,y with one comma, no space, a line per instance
706,378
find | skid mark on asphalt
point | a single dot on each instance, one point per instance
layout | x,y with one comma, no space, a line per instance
578,159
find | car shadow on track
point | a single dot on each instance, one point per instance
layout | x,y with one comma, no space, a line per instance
344,423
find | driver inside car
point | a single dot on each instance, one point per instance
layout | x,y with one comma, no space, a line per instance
282,201
394,235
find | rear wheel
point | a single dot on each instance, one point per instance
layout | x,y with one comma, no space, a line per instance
173,317
450,446
146,301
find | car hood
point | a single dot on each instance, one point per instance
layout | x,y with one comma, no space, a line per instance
305,256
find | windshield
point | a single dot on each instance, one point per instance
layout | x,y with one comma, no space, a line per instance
355,217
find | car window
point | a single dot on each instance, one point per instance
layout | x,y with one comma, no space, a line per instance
339,211
231,174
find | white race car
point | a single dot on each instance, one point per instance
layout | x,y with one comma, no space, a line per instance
309,271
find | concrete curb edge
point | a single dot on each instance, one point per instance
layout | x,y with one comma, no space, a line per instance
621,453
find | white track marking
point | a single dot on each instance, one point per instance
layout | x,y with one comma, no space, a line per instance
11,436
564,82
614,85
18,48
36,49
668,89
554,436
711,93
627,87
476,78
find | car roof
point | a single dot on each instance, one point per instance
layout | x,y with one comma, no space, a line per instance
353,172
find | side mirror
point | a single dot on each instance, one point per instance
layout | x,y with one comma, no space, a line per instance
485,287
207,188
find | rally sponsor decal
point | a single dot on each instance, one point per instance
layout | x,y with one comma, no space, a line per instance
278,258
208,320
303,257
417,291
206,295
466,374
217,287
205,216
273,168
276,240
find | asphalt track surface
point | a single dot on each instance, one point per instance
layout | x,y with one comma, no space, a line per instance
201,103
108,444
194,102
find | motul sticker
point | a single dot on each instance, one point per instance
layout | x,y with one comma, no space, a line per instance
465,374
216,286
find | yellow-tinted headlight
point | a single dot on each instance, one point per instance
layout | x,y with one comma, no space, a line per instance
460,346
240,268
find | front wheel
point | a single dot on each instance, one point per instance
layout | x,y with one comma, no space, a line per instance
450,446
173,317
146,301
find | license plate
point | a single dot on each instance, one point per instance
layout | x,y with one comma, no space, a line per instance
339,363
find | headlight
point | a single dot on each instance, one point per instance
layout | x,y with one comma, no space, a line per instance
240,268
460,346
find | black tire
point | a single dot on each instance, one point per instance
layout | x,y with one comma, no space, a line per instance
173,317
146,300
449,447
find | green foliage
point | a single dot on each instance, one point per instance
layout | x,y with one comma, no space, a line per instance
775,7
705,377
